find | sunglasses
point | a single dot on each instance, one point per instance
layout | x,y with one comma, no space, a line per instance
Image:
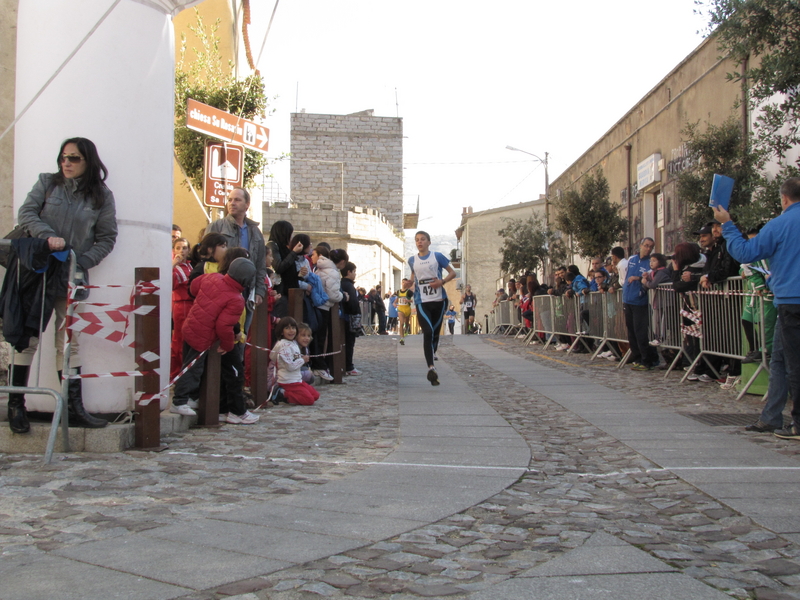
72,158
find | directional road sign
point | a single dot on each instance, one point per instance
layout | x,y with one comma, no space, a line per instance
224,164
225,126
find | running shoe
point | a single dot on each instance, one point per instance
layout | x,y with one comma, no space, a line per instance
706,379
788,433
730,382
640,367
193,404
247,418
323,374
655,342
182,409
402,342
433,377
353,372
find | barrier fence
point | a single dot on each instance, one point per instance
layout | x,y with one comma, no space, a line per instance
695,326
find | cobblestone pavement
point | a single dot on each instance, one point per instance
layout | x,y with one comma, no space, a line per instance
580,481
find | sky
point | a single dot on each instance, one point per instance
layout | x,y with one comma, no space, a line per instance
468,79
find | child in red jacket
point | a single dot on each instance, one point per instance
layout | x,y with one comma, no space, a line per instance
217,307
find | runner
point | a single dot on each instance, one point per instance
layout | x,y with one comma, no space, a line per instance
402,301
468,303
429,296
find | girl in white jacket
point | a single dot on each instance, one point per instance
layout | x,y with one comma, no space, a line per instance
325,262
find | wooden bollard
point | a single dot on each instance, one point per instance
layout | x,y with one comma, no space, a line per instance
296,304
147,425
259,359
336,343
208,405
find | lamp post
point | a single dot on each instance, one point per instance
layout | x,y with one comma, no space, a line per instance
546,181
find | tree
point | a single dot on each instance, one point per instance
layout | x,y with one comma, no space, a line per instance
527,245
763,37
590,217
724,150
206,79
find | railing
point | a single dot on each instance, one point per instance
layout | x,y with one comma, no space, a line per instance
599,316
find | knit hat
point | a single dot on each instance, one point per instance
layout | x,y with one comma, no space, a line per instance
242,270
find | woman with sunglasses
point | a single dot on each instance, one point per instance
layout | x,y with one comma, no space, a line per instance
69,208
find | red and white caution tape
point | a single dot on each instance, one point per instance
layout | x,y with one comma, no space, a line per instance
115,374
310,355
145,399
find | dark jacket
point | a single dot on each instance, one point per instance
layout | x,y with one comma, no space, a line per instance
350,306
21,301
721,264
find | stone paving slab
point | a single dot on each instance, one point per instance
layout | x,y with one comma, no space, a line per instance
328,522
278,544
41,576
655,586
188,565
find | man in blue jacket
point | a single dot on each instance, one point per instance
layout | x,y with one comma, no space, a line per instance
777,242
636,307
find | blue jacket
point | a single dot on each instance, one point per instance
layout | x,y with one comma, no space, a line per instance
632,293
778,242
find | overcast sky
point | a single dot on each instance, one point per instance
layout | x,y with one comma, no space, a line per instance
469,78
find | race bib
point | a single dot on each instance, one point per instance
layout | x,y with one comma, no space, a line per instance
468,304
402,301
427,292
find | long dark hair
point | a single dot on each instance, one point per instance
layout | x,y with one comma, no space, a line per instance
301,238
92,181
281,234
209,242
686,254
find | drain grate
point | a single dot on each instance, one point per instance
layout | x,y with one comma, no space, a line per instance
723,419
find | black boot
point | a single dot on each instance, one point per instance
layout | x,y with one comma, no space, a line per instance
78,417
17,416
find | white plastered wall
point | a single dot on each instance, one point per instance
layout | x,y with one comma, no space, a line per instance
117,91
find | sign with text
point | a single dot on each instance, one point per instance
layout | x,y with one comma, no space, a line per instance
225,126
223,164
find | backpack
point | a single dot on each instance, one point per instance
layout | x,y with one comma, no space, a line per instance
319,297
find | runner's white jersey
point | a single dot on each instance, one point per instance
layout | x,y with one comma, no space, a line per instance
427,269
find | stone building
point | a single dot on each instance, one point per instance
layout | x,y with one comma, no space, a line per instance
642,153
347,189
481,246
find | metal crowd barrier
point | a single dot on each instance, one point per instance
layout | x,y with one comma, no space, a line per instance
600,317
367,324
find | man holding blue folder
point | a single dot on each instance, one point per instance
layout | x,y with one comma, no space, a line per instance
777,242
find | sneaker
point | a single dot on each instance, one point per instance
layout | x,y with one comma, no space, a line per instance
788,433
752,357
611,357
655,342
435,357
402,341
353,372
193,404
730,382
247,418
433,377
605,354
323,374
640,367
183,410
693,377
760,427
706,379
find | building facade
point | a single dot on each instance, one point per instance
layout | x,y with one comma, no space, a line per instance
481,247
644,151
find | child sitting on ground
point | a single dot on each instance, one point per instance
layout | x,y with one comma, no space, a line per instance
289,361
217,308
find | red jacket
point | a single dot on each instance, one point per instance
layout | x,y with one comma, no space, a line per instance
217,307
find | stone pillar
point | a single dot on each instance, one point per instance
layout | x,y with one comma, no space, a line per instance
117,90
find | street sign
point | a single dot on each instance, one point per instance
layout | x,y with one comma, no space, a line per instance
223,164
225,126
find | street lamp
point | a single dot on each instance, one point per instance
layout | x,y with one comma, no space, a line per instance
546,181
